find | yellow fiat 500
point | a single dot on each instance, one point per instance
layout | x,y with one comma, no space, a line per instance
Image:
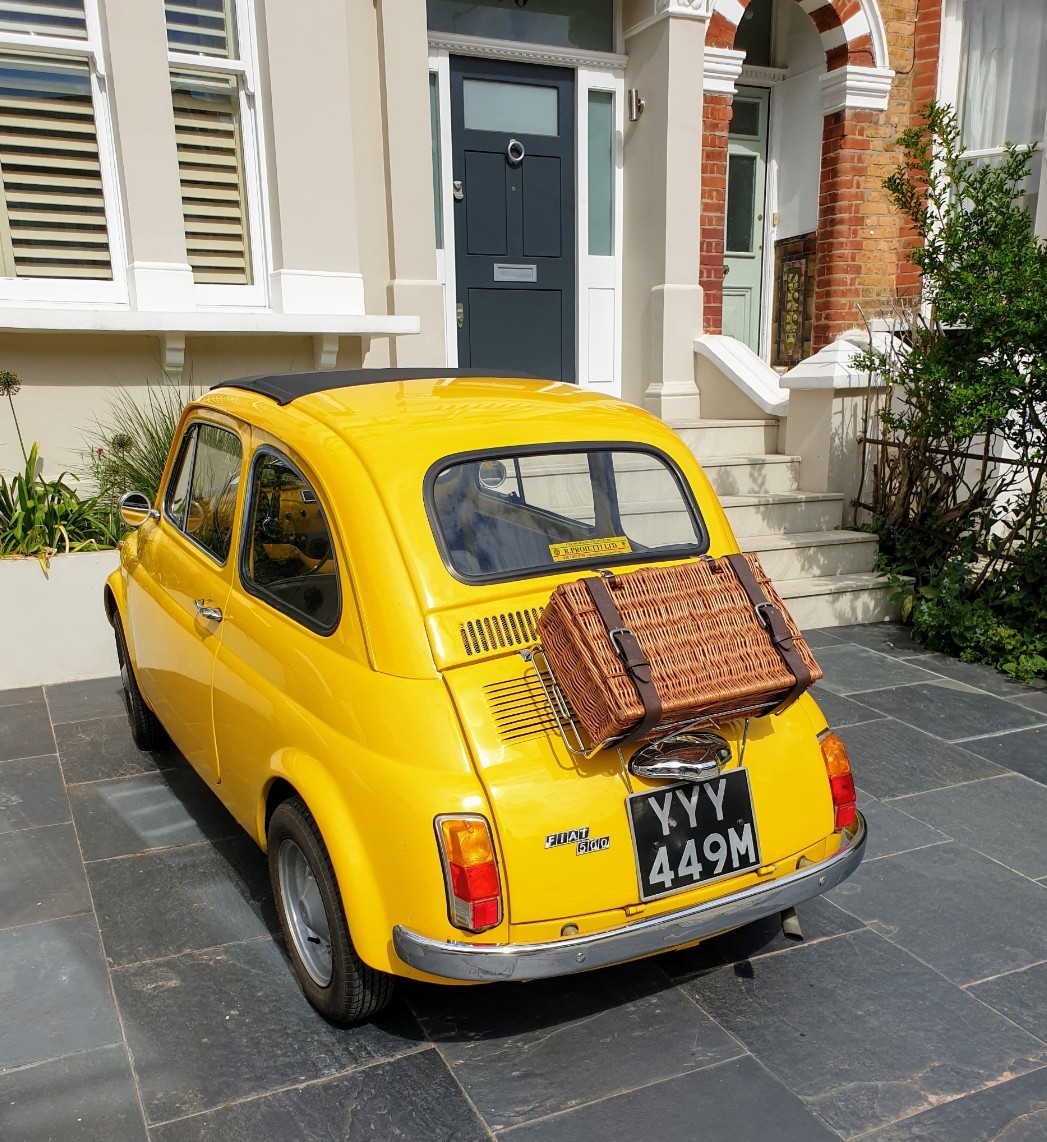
331,609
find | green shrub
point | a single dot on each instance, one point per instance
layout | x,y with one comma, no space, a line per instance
127,448
42,517
959,484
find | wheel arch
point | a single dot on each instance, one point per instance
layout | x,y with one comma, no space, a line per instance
366,912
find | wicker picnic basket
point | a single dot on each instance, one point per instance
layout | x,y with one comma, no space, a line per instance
678,645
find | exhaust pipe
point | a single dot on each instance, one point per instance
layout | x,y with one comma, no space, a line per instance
791,925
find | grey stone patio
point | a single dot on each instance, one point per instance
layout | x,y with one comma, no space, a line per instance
144,992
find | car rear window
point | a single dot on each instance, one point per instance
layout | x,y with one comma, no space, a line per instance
503,515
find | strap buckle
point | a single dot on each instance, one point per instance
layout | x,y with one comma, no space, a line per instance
761,608
616,635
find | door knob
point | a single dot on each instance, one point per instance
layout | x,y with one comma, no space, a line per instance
459,312
212,614
457,190
726,269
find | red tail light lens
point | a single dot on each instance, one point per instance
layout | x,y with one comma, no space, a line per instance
841,782
474,889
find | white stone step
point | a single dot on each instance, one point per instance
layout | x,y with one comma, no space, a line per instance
752,475
728,437
807,554
782,512
838,600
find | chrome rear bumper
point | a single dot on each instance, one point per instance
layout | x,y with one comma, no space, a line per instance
491,962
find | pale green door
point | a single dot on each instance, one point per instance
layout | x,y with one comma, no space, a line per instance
743,231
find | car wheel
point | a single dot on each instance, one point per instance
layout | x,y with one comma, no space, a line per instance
146,730
334,978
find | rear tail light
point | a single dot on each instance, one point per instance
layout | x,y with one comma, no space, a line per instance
841,783
474,889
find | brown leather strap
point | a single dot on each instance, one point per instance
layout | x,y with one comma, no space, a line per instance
773,621
628,649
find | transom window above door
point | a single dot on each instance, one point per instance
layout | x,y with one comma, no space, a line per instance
585,24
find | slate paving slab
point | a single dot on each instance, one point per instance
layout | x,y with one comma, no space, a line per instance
1014,1111
1024,751
25,731
56,997
855,669
211,1027
32,793
93,698
162,903
78,1098
736,1101
155,810
409,1098
23,694
893,830
41,875
101,748
1020,995
862,1032
1002,817
951,711
890,759
841,711
887,638
958,911
522,1051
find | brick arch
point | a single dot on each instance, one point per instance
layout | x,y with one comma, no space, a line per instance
843,26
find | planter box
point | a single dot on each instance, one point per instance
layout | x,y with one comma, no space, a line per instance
54,626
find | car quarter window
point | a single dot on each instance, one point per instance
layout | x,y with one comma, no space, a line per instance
201,496
288,555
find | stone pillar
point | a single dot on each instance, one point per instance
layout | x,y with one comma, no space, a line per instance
309,146
404,80
158,274
663,300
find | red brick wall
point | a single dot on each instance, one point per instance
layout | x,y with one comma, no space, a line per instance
862,258
716,117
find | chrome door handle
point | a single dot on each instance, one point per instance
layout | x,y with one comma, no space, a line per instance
213,614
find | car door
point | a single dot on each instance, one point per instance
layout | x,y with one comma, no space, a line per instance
178,589
291,638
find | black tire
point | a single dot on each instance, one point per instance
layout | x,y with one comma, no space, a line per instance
334,978
146,731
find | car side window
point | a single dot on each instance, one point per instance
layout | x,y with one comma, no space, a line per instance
201,497
288,556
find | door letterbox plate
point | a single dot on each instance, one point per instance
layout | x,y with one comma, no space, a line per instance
510,272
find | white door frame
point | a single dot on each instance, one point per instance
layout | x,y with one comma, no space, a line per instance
598,289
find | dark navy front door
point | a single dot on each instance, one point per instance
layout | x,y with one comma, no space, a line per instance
512,130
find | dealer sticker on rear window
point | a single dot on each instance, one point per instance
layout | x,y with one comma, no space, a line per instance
590,548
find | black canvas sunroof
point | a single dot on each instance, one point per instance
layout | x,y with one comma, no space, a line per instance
286,387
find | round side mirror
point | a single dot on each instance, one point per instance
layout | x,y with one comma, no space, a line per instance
135,509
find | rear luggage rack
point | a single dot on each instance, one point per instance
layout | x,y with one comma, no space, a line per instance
575,739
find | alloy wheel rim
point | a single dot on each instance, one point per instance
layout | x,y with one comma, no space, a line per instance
305,913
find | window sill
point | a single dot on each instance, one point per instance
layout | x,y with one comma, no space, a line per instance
226,322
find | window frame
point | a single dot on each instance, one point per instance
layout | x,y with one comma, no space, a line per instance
58,291
245,70
949,86
249,585
559,448
191,429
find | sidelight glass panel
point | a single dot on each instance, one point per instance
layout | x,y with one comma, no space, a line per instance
524,108
741,203
587,24
434,126
601,172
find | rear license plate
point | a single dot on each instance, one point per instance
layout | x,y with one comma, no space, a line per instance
693,833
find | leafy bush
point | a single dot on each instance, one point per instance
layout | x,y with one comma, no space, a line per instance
42,517
958,493
128,447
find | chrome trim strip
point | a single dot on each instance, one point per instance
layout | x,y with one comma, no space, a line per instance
489,962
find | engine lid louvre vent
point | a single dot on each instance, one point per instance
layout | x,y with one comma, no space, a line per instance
499,632
520,708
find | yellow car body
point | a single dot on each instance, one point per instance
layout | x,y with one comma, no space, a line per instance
418,702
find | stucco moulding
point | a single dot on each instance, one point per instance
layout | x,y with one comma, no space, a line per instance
858,88
525,53
660,9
